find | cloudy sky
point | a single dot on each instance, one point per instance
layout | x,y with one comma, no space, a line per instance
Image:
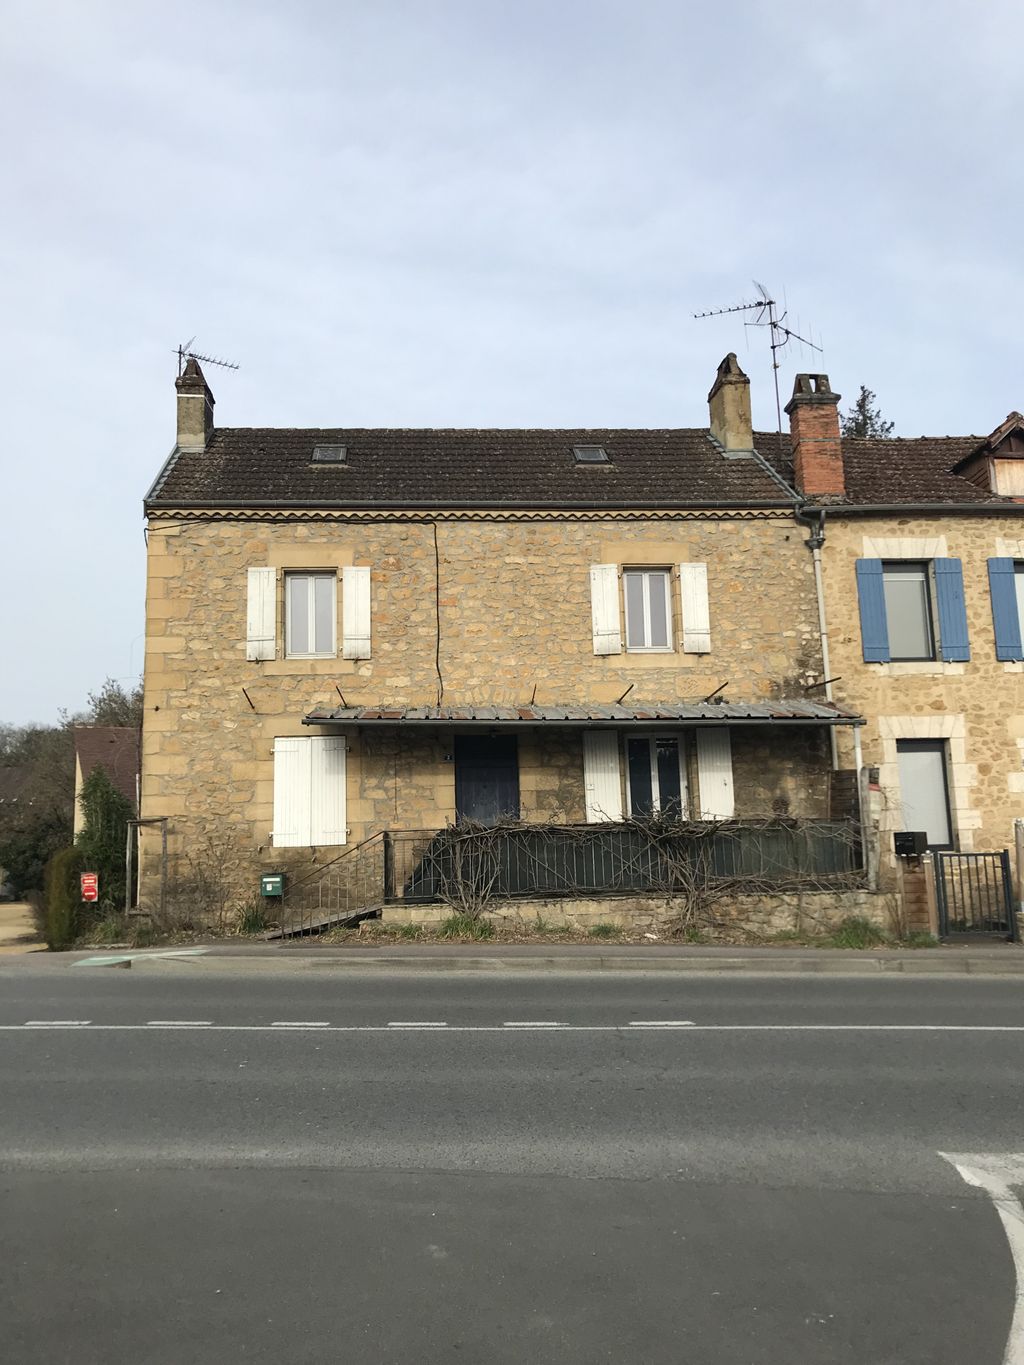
468,212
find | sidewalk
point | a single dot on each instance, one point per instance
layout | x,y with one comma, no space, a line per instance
18,929
974,959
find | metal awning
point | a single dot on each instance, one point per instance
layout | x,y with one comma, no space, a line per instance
591,715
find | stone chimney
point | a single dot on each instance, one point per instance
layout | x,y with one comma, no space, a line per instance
729,401
195,407
814,431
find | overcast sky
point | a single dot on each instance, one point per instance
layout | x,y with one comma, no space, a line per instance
468,213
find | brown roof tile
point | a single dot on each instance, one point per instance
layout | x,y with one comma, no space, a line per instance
113,747
437,467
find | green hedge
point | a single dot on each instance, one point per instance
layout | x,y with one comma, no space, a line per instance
63,898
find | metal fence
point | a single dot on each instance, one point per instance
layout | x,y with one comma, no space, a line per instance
471,865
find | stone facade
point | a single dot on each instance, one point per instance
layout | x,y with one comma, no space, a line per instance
494,607
977,707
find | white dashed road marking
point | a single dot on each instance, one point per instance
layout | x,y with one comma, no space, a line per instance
997,1173
56,1023
179,1023
416,1023
540,1023
301,1023
661,1023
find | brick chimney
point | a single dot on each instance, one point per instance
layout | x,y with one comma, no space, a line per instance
814,431
195,407
729,402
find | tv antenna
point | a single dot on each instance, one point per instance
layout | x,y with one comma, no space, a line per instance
186,353
780,335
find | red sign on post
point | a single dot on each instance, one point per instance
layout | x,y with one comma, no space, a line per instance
90,886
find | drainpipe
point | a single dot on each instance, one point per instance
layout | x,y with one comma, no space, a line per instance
814,543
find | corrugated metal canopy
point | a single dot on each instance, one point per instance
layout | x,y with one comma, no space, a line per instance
593,714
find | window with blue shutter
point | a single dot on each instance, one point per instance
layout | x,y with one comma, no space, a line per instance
1004,582
874,632
954,645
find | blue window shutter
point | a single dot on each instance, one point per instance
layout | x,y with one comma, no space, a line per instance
874,630
949,592
1005,617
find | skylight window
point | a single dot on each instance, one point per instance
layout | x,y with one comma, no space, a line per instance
330,454
590,454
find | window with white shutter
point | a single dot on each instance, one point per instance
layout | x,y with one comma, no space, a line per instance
310,608
604,606
355,611
714,774
261,614
309,792
648,595
693,593
602,784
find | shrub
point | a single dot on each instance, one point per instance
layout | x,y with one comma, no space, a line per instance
604,931
408,931
103,835
252,916
857,932
63,897
466,926
110,929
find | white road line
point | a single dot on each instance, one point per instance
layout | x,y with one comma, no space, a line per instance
301,1023
661,1023
995,1173
517,1025
416,1023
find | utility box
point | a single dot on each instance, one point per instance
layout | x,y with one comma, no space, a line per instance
272,884
910,843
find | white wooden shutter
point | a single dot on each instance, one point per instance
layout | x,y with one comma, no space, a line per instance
601,783
604,607
291,793
714,774
327,790
693,591
355,612
261,615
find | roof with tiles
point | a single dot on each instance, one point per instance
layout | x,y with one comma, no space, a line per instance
439,467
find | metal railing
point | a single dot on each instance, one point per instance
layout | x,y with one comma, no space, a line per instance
457,865
461,866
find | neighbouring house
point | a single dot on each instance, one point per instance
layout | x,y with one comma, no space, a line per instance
353,633
921,548
115,748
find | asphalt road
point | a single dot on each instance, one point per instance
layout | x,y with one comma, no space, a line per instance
200,1162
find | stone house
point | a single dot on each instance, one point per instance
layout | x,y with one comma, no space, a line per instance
350,631
920,544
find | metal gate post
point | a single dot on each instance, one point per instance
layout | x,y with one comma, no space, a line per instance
1011,916
940,894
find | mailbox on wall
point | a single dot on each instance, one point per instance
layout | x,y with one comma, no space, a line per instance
910,843
272,884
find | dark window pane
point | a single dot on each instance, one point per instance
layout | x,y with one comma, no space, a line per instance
638,757
907,612
669,784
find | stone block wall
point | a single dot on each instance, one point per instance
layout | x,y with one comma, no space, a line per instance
977,707
502,613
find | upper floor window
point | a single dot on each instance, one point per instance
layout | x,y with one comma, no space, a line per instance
310,615
648,597
1018,580
908,610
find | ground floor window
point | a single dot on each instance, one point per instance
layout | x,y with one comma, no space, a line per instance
656,778
309,792
924,789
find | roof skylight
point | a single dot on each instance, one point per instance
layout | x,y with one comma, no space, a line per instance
330,454
590,454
